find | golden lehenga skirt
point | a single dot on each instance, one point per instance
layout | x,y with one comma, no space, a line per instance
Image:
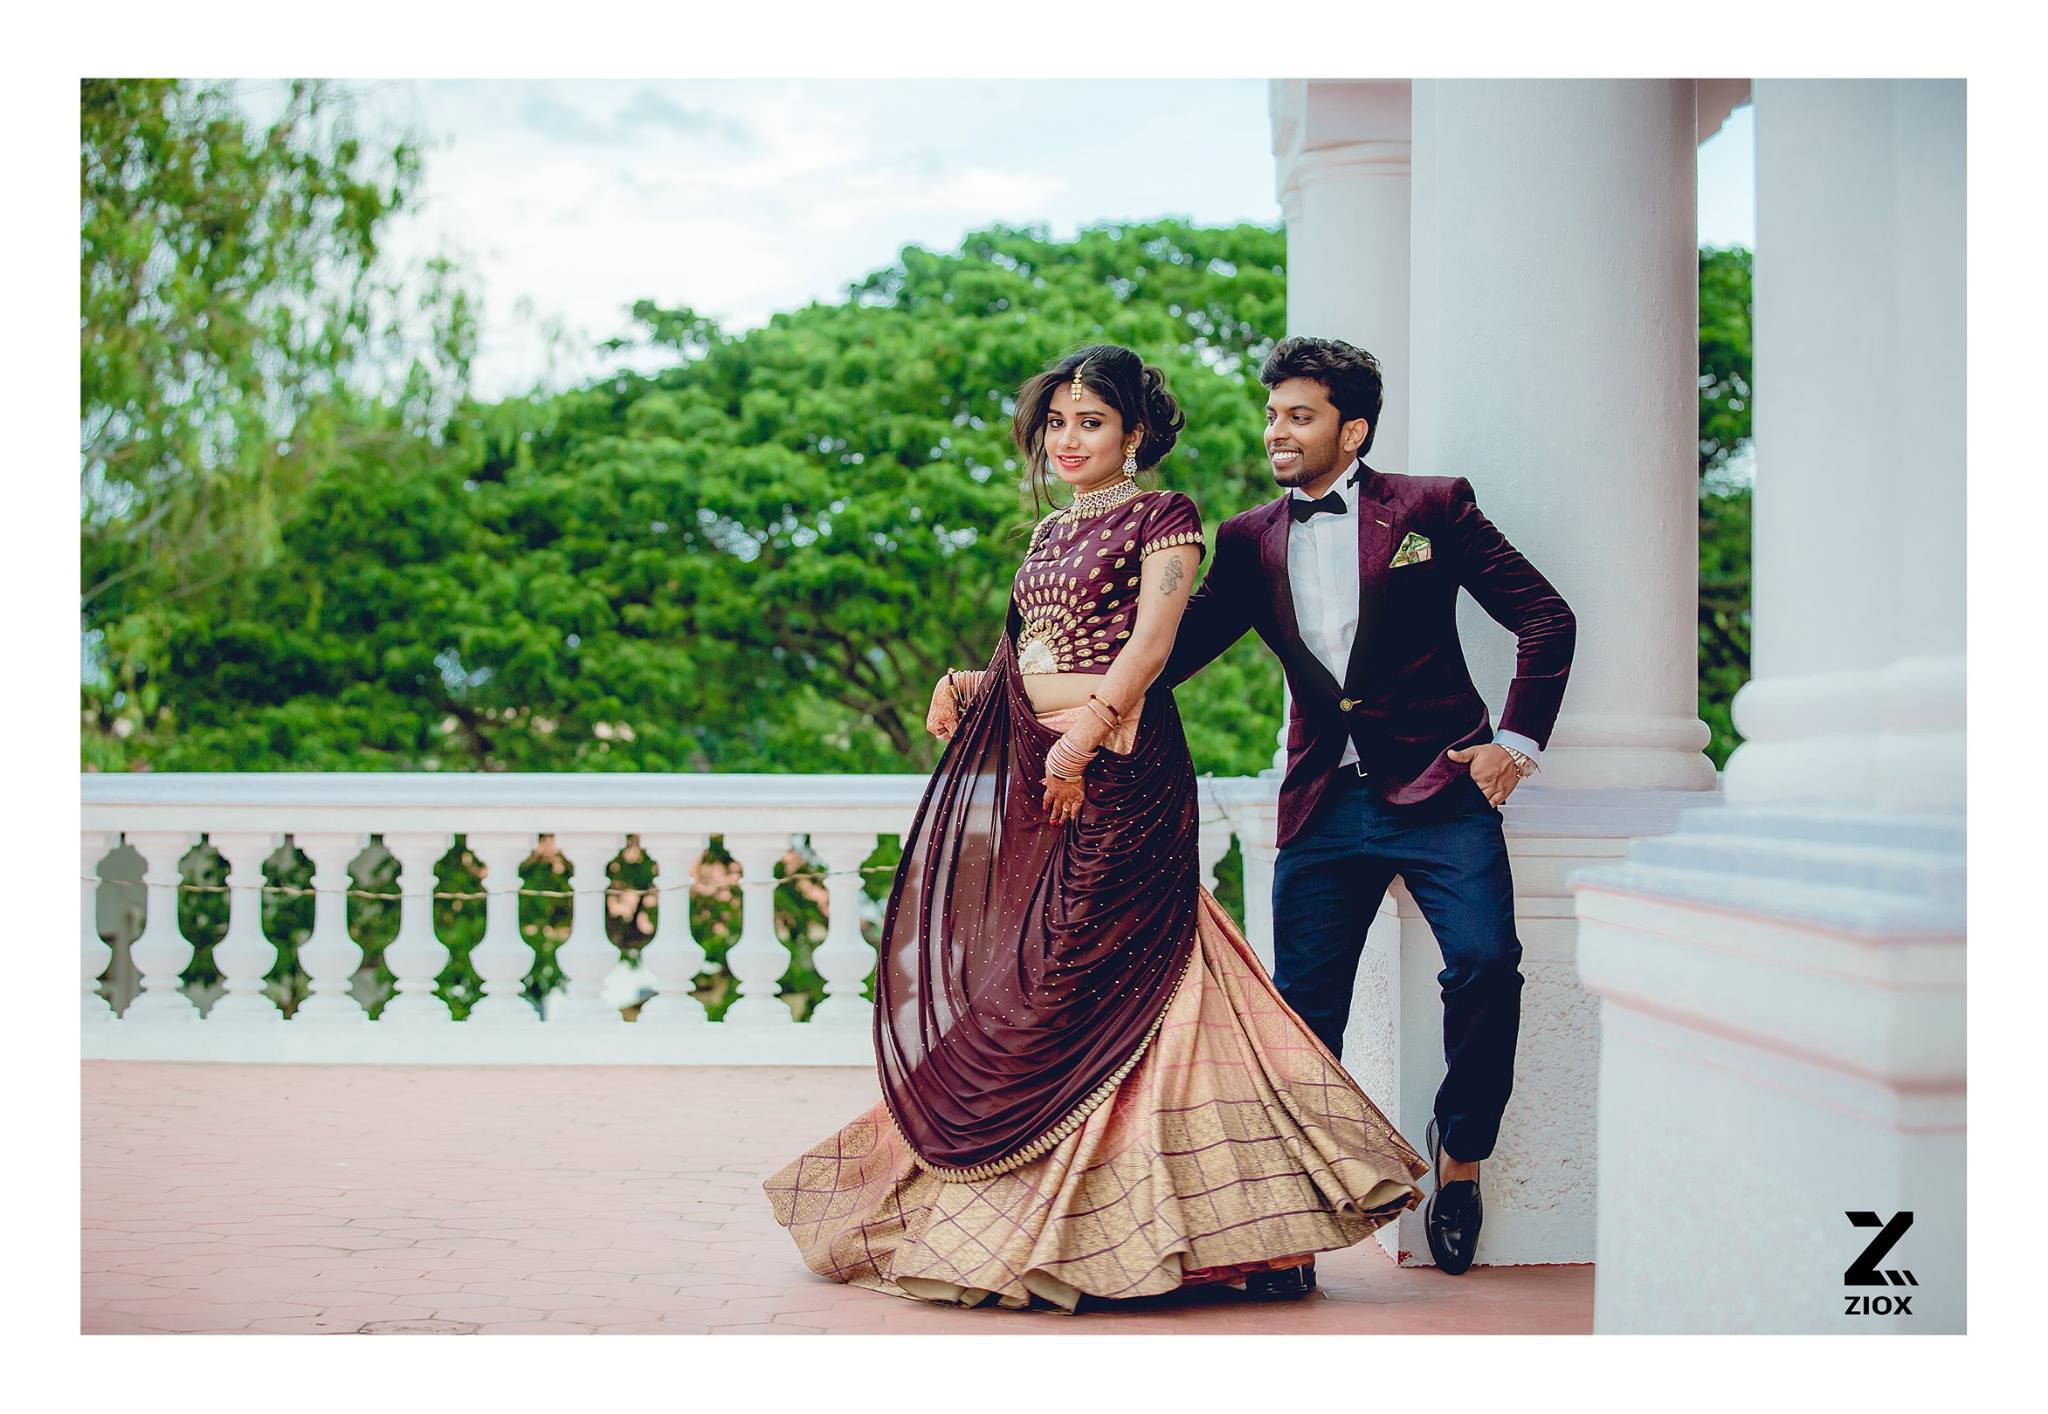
1236,1144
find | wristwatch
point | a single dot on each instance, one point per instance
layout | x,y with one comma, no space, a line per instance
1524,767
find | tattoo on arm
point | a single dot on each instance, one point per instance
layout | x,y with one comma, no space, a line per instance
1170,577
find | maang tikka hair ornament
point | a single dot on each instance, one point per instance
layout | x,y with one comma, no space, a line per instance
1077,391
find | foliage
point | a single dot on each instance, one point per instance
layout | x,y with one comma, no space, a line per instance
757,560
1725,429
239,338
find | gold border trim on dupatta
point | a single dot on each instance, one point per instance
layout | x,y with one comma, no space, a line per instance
1045,1142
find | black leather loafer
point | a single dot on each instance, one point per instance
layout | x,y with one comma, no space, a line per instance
1287,1284
1452,1216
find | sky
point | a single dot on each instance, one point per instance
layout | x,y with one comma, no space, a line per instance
569,199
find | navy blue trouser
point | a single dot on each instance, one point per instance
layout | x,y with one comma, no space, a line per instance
1327,885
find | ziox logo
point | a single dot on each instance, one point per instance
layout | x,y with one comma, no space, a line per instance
1864,1271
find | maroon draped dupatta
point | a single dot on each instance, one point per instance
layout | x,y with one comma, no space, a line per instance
1025,966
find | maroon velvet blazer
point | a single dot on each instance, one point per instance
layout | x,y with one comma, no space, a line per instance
1407,697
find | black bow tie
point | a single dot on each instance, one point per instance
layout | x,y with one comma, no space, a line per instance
1301,508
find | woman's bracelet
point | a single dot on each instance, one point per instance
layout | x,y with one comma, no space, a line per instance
1066,761
1116,717
1104,713
962,701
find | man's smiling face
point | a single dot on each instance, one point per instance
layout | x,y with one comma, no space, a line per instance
1305,441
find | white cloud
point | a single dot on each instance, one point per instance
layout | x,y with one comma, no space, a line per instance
739,198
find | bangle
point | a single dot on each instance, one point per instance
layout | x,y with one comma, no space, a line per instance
1066,761
1108,706
959,706
1104,713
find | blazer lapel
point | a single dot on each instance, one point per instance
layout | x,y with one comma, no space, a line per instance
1273,561
1379,531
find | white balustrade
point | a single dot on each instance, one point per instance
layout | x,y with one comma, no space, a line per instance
244,956
162,952
587,956
416,956
501,817
846,958
672,958
757,960
94,956
330,957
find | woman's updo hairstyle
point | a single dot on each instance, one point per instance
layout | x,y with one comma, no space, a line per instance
1133,387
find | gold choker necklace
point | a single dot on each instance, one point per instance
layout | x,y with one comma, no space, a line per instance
1091,503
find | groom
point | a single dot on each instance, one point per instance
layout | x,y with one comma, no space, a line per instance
1352,578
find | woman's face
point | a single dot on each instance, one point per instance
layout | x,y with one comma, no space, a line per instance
1084,440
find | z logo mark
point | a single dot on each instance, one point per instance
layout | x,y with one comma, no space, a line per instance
1863,1271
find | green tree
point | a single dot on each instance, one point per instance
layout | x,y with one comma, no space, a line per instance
758,559
1725,430
239,336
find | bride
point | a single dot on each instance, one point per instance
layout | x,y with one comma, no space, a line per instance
1090,1088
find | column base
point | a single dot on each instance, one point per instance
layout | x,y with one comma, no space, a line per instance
1628,752
1781,997
1538,1185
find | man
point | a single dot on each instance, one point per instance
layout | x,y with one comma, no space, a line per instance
1352,578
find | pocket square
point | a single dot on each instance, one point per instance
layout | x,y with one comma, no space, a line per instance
1414,550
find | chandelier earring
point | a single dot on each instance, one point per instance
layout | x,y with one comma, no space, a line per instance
1131,460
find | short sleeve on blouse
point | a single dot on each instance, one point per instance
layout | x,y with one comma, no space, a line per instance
1170,520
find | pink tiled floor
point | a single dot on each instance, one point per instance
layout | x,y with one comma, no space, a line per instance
376,1199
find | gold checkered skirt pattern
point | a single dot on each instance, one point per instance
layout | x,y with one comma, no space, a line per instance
1237,1143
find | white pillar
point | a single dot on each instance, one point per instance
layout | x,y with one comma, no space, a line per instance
1786,975
1857,694
1341,159
1550,357
1342,155
1555,364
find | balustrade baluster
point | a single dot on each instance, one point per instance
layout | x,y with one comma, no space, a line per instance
672,958
1255,836
502,957
244,955
588,955
94,956
416,956
846,958
1212,842
162,952
758,959
330,957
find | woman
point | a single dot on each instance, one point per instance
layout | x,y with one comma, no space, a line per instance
1090,1087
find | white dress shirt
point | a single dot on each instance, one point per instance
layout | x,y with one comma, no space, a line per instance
1322,572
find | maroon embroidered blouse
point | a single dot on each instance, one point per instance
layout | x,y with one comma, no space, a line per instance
1076,594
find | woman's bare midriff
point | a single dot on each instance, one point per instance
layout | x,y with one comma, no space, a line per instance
1052,692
